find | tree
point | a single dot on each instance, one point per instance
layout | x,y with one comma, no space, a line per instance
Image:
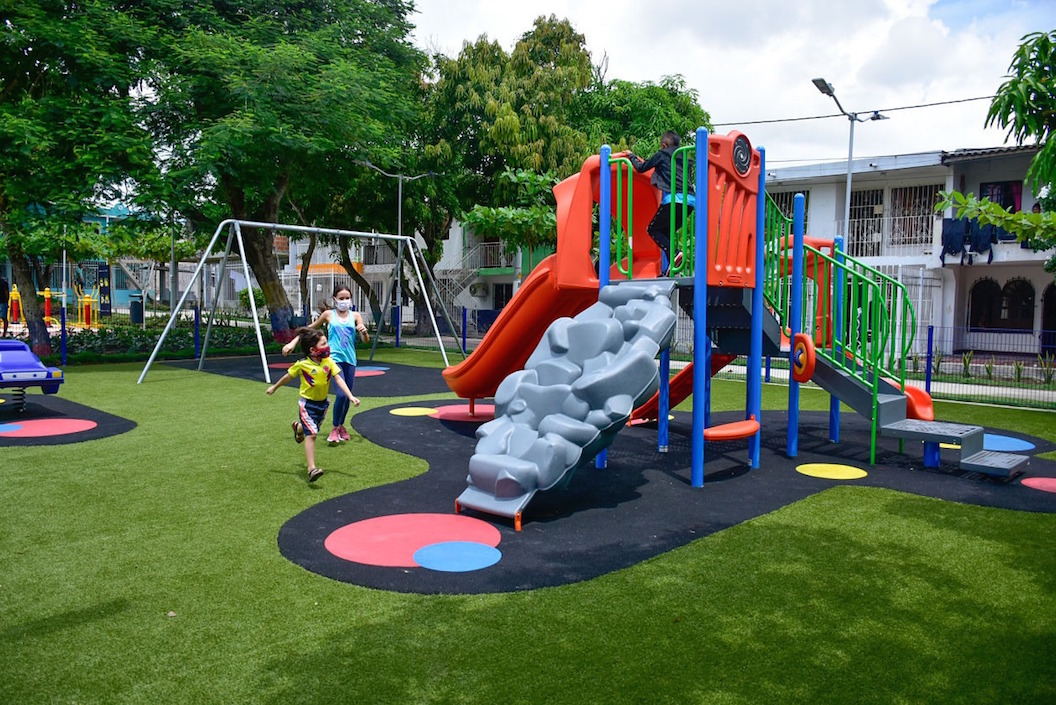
1025,104
68,133
256,98
505,124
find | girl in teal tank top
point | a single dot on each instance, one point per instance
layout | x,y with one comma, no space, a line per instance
343,324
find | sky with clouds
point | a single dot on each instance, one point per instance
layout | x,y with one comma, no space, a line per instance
753,60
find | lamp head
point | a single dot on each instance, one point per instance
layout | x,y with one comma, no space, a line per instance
824,86
877,115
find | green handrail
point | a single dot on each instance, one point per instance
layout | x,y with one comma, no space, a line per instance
682,238
624,241
878,323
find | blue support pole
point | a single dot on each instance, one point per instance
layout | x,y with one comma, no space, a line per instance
931,349
838,285
755,356
795,315
465,322
701,343
604,246
663,423
197,332
767,368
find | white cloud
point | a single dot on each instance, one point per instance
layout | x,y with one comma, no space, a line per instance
753,60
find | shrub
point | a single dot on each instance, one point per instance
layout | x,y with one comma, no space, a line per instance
1048,367
1017,371
966,362
990,368
936,363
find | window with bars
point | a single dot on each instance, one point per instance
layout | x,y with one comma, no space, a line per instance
913,214
866,223
784,199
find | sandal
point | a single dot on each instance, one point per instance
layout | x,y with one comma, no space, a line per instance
314,474
298,432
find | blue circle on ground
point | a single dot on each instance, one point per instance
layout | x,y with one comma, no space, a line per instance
1007,444
371,368
457,556
9,427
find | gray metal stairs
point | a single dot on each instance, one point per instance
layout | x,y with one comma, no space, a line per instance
892,422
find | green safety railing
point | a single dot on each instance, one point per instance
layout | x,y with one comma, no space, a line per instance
624,207
868,334
682,239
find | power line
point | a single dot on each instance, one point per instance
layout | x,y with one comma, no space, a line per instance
825,117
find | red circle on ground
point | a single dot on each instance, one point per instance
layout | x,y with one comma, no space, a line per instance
1045,484
279,365
369,373
460,412
391,541
41,428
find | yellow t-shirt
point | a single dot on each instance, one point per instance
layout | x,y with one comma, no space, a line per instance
315,376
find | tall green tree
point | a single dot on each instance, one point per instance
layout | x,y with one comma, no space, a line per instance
69,137
256,98
1025,104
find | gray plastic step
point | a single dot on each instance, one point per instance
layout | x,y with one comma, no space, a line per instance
992,462
970,438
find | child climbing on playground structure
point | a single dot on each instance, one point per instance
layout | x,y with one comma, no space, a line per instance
314,371
342,325
676,190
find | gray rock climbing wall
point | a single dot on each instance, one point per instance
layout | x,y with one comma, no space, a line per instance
576,392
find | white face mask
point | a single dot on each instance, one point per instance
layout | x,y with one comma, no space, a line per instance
343,304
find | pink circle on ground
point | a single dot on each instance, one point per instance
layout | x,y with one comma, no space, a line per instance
460,412
279,365
1045,484
369,373
41,428
391,541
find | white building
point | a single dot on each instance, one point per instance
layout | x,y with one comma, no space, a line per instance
991,296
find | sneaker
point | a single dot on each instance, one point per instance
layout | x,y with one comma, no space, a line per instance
298,432
335,436
314,474
343,433
677,261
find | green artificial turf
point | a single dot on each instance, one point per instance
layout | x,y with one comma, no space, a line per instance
143,568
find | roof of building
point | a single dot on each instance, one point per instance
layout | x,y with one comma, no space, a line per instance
959,155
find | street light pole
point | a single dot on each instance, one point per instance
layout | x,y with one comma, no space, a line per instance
826,89
400,178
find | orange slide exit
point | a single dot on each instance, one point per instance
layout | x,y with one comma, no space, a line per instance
564,284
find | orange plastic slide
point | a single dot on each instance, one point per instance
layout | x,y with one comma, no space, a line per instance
681,387
564,284
515,333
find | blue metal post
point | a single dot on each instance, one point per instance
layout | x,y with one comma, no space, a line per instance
604,246
931,349
701,343
755,356
197,332
795,316
767,368
663,423
838,285
465,322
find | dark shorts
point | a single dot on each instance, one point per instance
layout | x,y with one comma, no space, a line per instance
311,414
3,310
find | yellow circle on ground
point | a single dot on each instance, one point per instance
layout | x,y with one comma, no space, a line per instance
832,471
413,411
